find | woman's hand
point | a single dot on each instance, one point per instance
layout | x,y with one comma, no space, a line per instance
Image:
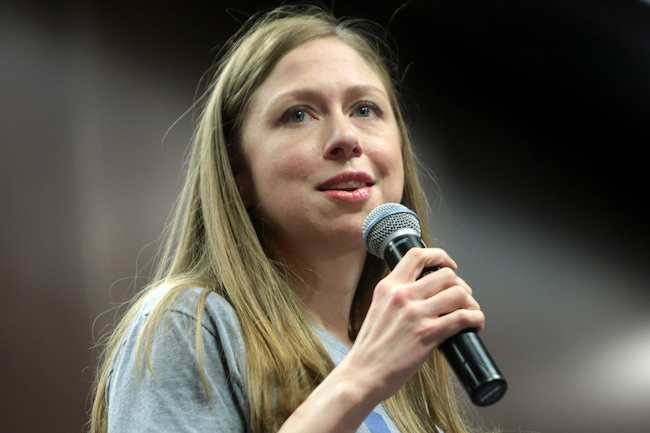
407,319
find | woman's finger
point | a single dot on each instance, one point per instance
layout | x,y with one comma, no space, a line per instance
447,301
416,260
434,282
436,331
467,286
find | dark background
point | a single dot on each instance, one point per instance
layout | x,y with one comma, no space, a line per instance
533,116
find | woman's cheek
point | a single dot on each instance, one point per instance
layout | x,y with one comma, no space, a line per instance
294,166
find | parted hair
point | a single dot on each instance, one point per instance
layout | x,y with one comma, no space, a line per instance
285,359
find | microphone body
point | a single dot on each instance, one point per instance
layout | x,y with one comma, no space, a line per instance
389,231
465,352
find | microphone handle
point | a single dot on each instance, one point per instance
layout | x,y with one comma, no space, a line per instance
465,352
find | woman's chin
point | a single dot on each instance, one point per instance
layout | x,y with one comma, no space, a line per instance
348,236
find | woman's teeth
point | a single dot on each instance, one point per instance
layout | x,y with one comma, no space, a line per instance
348,186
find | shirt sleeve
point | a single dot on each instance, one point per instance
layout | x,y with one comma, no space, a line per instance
170,397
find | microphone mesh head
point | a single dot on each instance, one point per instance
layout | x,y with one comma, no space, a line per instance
383,221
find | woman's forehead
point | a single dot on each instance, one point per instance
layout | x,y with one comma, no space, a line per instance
327,65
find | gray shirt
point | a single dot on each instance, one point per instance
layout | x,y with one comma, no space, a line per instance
172,399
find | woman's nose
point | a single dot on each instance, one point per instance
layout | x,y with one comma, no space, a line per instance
343,141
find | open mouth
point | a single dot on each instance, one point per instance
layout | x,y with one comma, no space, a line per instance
348,194
345,187
349,189
349,186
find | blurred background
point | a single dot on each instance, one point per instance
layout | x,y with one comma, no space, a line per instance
533,117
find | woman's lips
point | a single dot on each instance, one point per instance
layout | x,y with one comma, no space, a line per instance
346,181
357,195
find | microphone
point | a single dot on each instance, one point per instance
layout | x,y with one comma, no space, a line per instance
389,231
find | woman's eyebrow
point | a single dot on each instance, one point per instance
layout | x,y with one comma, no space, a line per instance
311,94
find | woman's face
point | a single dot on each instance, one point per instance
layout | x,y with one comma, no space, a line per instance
321,113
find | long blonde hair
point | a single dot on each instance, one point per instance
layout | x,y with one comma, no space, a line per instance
284,357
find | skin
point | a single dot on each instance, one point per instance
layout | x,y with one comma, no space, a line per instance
293,142
287,154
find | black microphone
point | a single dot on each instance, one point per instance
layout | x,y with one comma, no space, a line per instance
389,231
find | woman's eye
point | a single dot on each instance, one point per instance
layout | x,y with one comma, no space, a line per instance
367,109
296,115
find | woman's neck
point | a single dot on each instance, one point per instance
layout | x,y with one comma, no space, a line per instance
326,282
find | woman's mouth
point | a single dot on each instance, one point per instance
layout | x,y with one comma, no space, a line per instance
349,194
350,187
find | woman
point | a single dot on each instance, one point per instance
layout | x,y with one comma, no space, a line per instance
266,313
